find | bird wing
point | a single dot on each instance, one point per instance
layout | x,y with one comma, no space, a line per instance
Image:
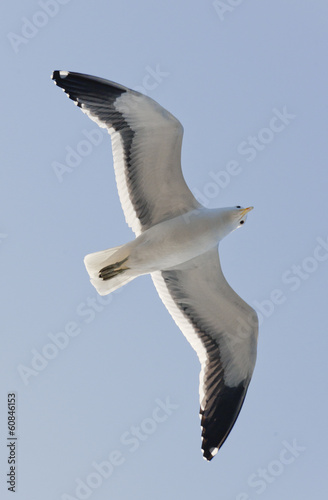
223,330
146,143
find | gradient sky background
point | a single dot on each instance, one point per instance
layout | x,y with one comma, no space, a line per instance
225,70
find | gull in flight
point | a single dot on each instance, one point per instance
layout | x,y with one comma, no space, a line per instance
176,243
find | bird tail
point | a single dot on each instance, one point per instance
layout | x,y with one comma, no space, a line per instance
109,269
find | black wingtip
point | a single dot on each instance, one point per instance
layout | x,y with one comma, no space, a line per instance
81,87
207,455
59,75
209,451
217,424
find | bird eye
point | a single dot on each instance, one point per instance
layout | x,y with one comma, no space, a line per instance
242,222
238,206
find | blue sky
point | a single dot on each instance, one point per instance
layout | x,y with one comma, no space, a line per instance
107,388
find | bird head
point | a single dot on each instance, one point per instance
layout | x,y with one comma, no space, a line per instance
240,215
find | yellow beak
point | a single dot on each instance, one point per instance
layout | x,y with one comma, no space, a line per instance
245,211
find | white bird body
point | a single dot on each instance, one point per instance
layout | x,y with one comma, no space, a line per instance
176,242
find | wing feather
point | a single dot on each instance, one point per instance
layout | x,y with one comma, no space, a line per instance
223,330
146,142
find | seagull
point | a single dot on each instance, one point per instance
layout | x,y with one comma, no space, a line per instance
176,243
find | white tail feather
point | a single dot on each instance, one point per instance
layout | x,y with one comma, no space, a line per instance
94,262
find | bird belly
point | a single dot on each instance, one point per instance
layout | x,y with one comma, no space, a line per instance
172,242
